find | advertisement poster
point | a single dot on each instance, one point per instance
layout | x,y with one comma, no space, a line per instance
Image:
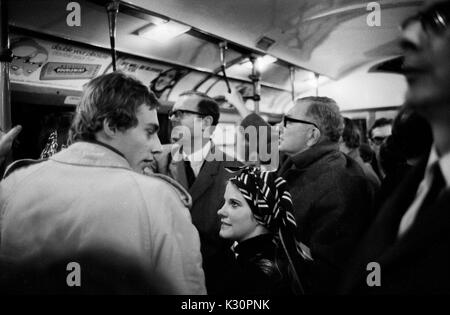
159,78
50,64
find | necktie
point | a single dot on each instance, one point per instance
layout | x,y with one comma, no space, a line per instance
437,185
190,176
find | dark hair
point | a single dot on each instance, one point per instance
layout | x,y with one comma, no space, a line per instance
325,113
115,97
380,122
411,133
351,134
390,156
207,105
366,153
179,73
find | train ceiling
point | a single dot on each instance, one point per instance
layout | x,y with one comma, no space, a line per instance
328,37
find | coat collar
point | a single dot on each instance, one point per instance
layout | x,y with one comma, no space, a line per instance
306,158
205,178
250,248
91,154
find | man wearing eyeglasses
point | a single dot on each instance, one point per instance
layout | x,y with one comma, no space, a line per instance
410,240
195,162
331,195
378,134
330,192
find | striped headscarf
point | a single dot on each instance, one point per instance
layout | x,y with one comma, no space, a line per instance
268,198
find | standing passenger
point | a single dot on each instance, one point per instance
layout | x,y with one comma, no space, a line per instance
331,195
378,134
351,141
196,163
87,199
410,240
258,216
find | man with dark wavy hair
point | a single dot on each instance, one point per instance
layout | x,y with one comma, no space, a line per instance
378,134
89,199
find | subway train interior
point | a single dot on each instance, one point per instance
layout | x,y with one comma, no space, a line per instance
272,51
339,189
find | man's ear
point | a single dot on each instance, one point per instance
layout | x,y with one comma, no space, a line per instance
314,136
207,126
109,131
207,121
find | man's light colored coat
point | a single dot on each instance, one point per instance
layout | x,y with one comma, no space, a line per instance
86,197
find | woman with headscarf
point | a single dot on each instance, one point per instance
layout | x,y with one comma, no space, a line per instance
258,216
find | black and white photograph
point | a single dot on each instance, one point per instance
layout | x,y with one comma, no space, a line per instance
231,154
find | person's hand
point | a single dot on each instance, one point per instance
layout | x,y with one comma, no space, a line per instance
235,98
6,140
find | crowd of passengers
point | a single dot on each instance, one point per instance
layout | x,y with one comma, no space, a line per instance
185,218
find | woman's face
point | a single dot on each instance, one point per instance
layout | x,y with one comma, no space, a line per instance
238,222
165,80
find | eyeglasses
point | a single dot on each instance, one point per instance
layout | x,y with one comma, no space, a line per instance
378,140
179,113
287,119
435,19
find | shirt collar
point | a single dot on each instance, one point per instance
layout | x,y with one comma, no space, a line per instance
444,164
200,155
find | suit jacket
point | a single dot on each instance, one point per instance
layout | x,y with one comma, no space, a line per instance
207,194
418,262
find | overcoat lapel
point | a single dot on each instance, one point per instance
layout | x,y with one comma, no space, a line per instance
205,179
380,244
428,227
178,172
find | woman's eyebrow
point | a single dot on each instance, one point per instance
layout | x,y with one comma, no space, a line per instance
236,200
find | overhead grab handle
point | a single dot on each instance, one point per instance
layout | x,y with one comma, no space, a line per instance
5,59
113,10
292,78
316,83
223,47
255,77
